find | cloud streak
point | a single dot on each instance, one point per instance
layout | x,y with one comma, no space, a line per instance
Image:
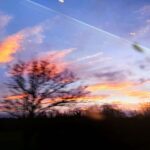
4,20
111,74
9,46
139,94
144,11
56,54
110,86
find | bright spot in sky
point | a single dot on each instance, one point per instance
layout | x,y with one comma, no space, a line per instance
61,1
132,33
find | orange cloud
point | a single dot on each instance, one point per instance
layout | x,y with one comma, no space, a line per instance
79,99
110,86
92,97
10,46
15,97
139,94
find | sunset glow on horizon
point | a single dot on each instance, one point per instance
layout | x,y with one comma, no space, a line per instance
114,72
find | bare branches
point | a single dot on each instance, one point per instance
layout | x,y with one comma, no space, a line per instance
40,80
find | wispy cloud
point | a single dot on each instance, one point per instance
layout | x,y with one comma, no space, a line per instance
144,64
139,94
18,41
110,86
91,64
58,57
144,10
112,75
31,37
142,32
15,97
56,54
4,20
34,34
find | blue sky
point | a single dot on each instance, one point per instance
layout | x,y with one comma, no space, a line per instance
95,37
120,17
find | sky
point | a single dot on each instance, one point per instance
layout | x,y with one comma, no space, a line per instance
94,37
124,18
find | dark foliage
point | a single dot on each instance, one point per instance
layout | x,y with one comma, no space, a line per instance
69,132
109,111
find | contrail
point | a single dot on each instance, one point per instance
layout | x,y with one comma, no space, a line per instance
76,20
86,24
90,56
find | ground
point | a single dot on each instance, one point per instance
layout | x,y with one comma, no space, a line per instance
75,132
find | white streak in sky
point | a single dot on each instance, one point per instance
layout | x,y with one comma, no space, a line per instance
61,1
90,56
81,22
76,20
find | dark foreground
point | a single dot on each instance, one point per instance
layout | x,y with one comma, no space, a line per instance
75,133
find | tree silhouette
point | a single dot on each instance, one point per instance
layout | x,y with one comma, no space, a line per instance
110,111
39,85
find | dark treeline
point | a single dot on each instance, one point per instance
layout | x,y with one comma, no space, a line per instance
68,132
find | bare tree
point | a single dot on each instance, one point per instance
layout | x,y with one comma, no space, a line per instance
39,85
